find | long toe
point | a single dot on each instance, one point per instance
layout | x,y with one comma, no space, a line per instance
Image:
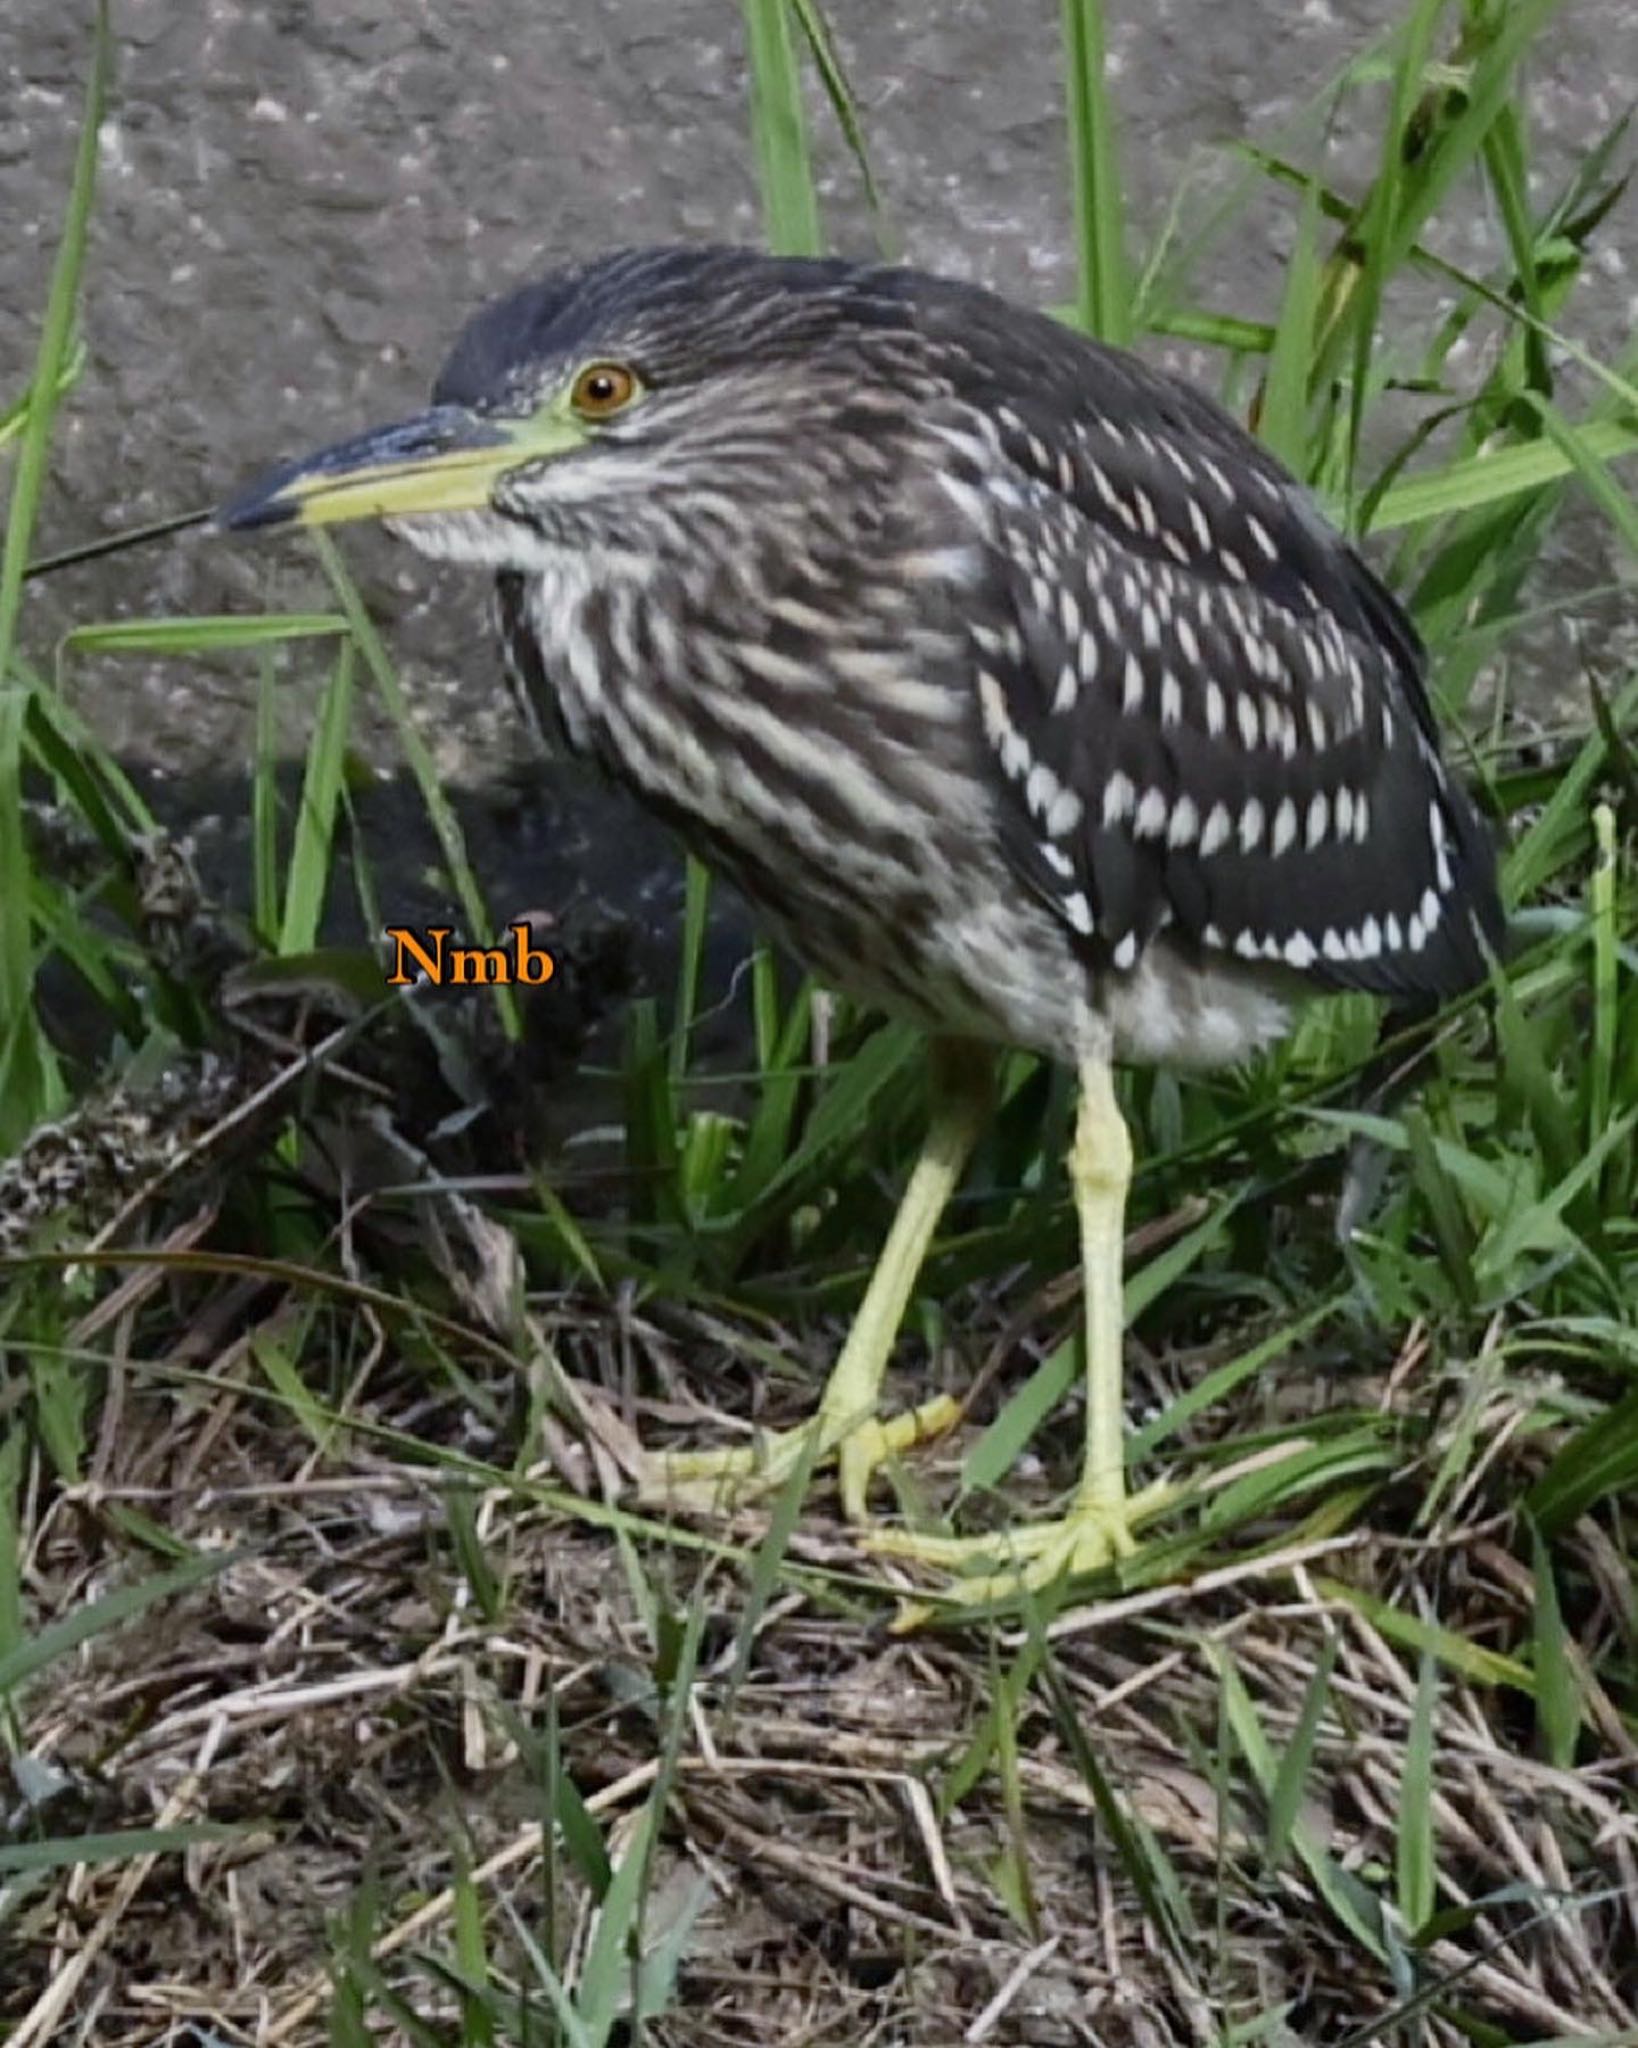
722,1480
1007,1565
863,1451
718,1481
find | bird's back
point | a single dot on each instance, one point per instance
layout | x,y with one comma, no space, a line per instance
1209,716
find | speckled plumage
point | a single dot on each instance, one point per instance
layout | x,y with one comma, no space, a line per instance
1012,683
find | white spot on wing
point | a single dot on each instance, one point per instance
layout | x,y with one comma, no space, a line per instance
1171,699
1063,814
1118,798
1079,912
1185,822
1152,812
1284,829
1345,812
1216,830
1441,849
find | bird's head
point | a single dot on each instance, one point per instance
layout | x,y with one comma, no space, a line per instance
678,394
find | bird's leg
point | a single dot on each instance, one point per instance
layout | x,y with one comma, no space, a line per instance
1100,1173
846,1425
1098,1527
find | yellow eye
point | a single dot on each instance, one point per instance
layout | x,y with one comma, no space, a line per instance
602,389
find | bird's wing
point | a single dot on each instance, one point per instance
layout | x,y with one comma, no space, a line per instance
1207,714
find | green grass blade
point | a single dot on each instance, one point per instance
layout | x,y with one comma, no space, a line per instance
70,1851
779,131
614,1952
1297,1764
1416,1862
1600,1460
1355,1907
1492,479
92,1619
1103,302
27,1082
12,1447
1012,1874
308,880
14,417
56,341
264,806
1136,1846
1411,1632
822,49
1283,420
1384,208
1558,1697
690,963
1606,939
208,634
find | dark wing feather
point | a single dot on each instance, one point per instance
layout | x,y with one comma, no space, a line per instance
1210,716
526,677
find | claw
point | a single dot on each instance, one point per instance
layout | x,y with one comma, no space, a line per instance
716,1482
1093,1535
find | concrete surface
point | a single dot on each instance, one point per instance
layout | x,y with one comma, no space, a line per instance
302,199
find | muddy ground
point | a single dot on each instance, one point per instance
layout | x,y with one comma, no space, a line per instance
301,202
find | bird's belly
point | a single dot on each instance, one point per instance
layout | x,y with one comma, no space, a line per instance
1178,1009
970,955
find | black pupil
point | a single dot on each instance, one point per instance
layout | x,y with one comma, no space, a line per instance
602,387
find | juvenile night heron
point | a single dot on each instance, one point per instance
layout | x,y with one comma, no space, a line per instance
1018,689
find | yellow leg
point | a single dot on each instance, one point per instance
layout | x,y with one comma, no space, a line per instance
1098,1527
846,1425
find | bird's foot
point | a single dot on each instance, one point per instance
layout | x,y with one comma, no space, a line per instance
1008,1564
715,1482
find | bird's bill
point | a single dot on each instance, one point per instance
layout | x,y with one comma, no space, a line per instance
445,460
